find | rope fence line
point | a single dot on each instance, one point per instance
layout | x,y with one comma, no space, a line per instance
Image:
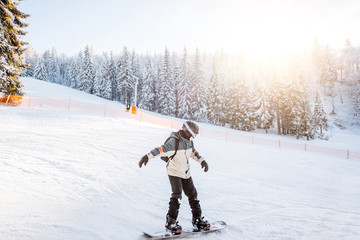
210,132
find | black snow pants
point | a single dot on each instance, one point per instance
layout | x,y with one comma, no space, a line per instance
177,185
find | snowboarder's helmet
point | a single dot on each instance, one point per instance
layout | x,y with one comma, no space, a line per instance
191,127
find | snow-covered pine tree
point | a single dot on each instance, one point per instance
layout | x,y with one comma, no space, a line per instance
306,127
198,106
87,72
246,111
53,67
135,67
12,47
263,114
166,91
213,98
31,58
233,104
40,70
102,86
63,63
277,95
185,87
112,76
348,60
148,89
319,116
291,118
329,76
73,73
47,62
317,59
125,79
223,98
176,81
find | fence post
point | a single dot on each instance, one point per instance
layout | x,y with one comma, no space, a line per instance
348,154
30,100
7,99
69,103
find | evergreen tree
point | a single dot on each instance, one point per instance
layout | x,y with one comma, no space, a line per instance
198,106
87,74
263,114
148,90
102,86
355,96
306,127
185,88
214,100
348,59
233,104
291,118
319,116
246,111
73,73
167,93
126,79
112,77
40,71
277,94
31,58
53,73
329,77
135,67
12,47
176,81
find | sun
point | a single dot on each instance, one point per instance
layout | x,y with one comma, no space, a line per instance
261,34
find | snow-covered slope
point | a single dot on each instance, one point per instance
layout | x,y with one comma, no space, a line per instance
69,175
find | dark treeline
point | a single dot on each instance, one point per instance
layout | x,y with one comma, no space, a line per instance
286,95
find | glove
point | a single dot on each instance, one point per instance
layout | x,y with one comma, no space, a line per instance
144,160
205,165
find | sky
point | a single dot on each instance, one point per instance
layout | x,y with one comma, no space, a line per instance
260,26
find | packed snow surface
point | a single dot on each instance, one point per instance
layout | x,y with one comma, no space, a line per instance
71,175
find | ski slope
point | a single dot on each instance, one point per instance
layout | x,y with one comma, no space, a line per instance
70,175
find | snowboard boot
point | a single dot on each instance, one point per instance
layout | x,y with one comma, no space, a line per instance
172,225
201,224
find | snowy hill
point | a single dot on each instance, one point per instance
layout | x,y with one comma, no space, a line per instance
72,175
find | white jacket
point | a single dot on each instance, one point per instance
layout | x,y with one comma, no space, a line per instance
179,166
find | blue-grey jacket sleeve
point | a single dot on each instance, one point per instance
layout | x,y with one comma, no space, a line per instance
166,149
195,155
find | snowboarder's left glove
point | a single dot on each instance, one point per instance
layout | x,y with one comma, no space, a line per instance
143,160
205,165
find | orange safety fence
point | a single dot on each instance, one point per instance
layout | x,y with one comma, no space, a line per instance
211,132
11,100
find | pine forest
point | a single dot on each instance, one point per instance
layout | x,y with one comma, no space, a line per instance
287,96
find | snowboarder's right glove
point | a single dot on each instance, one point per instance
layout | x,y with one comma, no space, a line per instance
205,165
144,160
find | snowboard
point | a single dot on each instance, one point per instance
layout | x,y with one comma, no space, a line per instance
215,227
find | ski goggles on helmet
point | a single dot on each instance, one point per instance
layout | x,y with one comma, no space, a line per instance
188,129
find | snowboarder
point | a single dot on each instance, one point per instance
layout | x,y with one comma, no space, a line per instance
175,151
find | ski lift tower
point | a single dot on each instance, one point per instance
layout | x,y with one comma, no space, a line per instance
134,108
